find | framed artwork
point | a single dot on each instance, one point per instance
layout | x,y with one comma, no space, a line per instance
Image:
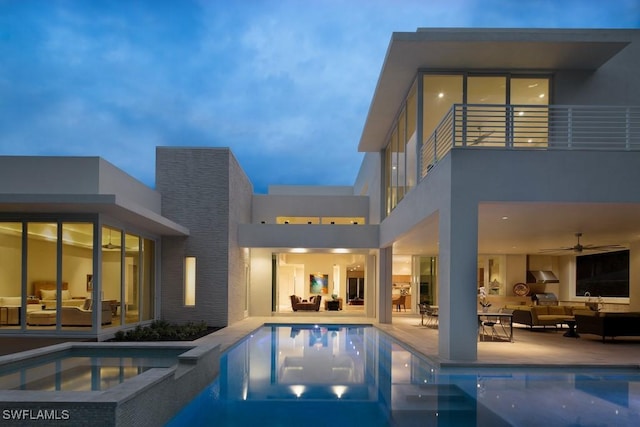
89,282
319,284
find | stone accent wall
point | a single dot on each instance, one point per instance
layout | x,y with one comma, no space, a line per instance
205,190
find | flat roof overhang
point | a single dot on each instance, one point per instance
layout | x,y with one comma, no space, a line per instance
449,49
108,204
308,236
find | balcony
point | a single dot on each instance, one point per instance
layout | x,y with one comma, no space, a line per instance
548,127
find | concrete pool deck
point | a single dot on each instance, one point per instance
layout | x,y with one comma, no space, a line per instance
547,347
134,402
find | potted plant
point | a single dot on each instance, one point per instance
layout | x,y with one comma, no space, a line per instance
483,301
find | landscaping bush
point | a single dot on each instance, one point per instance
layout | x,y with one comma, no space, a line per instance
161,330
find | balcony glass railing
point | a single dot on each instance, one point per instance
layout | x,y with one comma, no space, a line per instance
545,127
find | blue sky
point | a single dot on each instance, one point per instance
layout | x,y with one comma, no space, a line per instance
285,83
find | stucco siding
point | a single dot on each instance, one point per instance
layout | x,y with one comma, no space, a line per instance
239,212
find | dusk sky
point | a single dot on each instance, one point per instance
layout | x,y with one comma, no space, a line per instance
285,83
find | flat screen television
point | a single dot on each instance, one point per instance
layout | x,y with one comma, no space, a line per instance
605,275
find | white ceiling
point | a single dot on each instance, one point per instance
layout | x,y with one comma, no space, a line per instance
530,227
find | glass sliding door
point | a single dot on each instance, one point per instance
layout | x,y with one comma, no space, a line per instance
111,279
42,261
531,114
486,125
77,275
132,279
428,280
439,93
11,301
411,140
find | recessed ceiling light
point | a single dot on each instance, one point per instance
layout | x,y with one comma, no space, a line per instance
505,217
541,95
533,85
521,113
529,140
441,95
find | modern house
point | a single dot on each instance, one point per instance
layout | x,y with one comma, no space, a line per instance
486,151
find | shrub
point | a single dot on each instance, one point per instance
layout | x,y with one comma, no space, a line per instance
160,330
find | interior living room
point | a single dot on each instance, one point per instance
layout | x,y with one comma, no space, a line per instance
336,279
70,305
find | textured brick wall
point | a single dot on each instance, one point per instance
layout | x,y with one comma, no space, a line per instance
194,183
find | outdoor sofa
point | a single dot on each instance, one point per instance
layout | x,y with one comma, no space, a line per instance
542,315
610,324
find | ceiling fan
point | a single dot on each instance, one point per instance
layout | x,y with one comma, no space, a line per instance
110,245
579,247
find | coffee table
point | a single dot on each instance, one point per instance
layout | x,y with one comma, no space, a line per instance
571,333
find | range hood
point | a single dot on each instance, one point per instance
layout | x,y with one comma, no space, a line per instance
541,276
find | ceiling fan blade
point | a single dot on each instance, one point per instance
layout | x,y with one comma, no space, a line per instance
554,250
602,247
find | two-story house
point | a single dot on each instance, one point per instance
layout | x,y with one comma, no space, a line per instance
486,151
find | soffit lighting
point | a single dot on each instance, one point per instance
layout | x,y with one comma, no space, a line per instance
505,217
541,95
441,95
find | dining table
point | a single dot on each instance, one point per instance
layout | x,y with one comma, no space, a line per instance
499,318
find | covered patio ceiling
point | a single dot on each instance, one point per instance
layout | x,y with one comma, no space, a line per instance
527,228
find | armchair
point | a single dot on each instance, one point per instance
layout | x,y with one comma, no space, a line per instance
312,305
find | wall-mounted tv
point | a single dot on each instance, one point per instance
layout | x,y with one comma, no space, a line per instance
605,275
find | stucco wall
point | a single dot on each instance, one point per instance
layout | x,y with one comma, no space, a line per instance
239,212
614,83
268,207
368,183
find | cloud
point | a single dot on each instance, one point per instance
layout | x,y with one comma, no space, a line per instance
284,83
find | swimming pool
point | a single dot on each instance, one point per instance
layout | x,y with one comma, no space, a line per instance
84,369
341,375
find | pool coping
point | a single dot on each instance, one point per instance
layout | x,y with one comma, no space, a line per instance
148,399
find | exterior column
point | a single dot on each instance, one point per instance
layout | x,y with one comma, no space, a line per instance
370,285
458,271
634,277
385,284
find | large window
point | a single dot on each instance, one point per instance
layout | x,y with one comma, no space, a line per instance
77,275
112,272
10,274
530,117
54,261
501,110
603,275
132,278
42,259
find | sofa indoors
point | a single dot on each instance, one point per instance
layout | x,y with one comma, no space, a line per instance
616,324
81,316
542,315
10,310
313,304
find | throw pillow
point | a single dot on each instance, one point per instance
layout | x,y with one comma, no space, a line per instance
48,294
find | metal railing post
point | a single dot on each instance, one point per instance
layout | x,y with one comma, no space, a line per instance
569,127
627,128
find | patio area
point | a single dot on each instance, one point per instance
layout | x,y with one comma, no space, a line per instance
530,347
538,347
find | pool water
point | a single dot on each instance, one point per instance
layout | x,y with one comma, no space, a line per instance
84,369
317,375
